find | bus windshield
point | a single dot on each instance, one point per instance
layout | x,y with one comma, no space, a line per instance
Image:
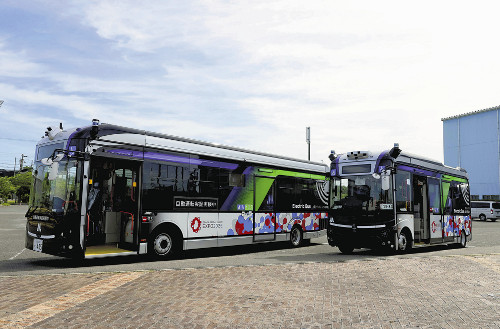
58,196
360,198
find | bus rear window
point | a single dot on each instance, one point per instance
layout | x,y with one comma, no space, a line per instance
495,205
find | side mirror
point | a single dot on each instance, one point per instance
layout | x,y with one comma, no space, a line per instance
386,181
59,157
54,169
46,161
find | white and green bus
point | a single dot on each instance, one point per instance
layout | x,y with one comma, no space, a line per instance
106,190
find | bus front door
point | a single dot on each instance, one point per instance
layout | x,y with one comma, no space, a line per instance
421,211
113,207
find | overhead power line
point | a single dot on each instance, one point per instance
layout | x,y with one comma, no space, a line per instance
18,139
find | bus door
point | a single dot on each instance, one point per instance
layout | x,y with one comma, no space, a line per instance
435,210
421,209
264,215
113,206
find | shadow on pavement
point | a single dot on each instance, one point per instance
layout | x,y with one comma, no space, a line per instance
362,254
54,262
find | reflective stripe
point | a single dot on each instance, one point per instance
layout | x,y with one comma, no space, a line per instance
350,226
41,236
342,225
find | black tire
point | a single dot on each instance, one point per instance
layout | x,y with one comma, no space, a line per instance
463,239
296,237
493,219
164,244
404,241
346,248
482,217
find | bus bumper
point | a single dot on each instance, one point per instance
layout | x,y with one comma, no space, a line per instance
361,238
54,246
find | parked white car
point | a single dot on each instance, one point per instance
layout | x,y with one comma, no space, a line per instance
485,210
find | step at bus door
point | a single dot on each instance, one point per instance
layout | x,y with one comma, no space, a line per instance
264,215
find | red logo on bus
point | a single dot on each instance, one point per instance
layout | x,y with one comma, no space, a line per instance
434,227
196,224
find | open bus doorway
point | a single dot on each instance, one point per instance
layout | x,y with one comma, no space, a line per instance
421,209
113,206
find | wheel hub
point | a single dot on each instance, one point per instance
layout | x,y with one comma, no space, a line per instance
162,244
402,242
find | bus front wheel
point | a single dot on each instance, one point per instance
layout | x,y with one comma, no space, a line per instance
163,244
346,248
404,241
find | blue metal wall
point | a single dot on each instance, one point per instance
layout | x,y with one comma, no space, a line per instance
472,142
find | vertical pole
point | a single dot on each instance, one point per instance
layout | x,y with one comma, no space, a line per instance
308,141
21,162
498,149
15,164
459,146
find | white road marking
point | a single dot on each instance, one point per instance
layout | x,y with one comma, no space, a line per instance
17,254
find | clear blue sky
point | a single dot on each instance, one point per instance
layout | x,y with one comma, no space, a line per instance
253,74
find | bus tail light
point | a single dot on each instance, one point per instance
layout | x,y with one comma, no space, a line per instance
491,211
147,219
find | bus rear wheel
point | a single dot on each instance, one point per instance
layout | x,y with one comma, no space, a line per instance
296,238
163,245
463,239
482,217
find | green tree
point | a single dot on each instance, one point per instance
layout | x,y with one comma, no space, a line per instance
6,188
22,185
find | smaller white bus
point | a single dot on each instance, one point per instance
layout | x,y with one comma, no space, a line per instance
398,200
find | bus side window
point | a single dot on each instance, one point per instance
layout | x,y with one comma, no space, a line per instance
404,197
434,196
447,198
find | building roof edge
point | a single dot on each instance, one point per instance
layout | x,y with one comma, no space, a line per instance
471,113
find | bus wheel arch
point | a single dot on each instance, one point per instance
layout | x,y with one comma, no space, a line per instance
165,241
405,240
296,236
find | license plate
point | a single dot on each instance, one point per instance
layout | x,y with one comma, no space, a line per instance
37,245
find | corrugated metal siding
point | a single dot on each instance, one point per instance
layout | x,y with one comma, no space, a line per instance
472,142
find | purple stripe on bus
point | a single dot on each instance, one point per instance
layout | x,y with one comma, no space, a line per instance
70,138
175,158
336,166
383,154
419,171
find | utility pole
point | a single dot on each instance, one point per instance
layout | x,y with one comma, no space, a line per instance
21,162
308,141
15,164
